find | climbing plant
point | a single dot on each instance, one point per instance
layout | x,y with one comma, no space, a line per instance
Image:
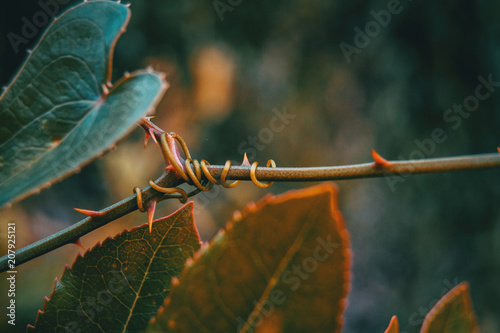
280,265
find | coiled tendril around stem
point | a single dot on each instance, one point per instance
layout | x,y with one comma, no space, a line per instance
193,172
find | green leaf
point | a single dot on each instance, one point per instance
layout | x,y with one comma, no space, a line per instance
452,314
57,113
118,285
282,265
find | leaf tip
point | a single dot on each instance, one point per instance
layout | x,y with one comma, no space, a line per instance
393,326
459,299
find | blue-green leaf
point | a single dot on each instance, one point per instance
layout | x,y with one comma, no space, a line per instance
61,111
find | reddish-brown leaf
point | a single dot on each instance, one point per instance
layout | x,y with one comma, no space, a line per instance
282,265
452,314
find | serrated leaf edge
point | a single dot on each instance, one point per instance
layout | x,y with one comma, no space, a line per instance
79,256
253,207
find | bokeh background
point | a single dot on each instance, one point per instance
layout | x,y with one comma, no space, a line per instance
232,69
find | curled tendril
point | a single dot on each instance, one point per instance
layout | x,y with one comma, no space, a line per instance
138,192
194,172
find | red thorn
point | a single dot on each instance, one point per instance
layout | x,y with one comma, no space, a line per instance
152,134
498,148
151,130
151,212
146,139
380,162
245,160
78,243
91,213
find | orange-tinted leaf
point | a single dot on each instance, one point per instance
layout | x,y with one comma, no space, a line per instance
119,285
452,314
393,326
282,265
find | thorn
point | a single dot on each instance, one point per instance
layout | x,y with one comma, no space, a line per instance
245,161
151,212
152,134
78,243
92,213
498,148
146,139
380,162
151,130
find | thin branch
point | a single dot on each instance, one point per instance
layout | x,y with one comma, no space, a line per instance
79,229
170,179
365,170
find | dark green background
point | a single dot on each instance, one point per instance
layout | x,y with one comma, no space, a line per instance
409,244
